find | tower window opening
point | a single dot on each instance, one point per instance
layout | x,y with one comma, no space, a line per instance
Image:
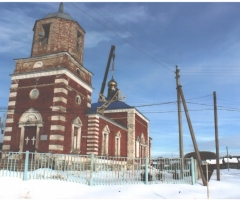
46,28
78,72
78,41
78,100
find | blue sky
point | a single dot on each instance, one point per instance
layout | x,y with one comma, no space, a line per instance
150,39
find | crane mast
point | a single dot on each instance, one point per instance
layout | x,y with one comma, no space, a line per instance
111,57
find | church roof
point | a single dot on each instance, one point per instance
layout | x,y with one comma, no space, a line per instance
59,14
113,106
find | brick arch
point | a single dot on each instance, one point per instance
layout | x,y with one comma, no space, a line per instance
32,118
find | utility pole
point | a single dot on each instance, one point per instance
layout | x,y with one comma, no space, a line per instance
181,154
216,134
227,158
193,137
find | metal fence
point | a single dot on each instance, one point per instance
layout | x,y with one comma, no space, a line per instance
96,170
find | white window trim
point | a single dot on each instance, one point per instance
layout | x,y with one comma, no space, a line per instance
105,142
137,149
78,124
118,144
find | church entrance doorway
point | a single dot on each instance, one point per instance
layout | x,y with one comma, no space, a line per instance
29,143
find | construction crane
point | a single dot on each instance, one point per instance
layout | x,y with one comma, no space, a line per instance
117,96
111,57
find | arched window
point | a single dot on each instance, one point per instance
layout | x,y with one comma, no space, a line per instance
76,135
105,139
118,144
78,100
141,146
78,72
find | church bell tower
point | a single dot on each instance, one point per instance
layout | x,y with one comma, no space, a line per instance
50,91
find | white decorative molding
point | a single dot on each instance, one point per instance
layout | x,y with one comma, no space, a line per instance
9,120
7,138
76,134
96,141
61,99
11,103
92,145
89,105
38,64
95,124
58,118
31,116
13,86
92,149
61,80
58,108
56,137
91,152
93,120
92,136
5,147
89,97
8,129
93,133
96,129
58,90
10,112
94,116
56,147
53,73
57,128
131,133
32,59
34,93
13,94
109,120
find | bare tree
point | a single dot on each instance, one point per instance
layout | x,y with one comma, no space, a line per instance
2,123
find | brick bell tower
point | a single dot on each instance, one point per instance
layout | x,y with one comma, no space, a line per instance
50,91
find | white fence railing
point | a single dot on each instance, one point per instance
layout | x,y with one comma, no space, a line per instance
97,170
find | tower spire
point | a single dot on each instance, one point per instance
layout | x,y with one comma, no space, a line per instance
60,7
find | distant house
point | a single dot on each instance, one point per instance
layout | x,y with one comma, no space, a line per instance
233,162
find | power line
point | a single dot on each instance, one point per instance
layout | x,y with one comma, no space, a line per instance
153,58
117,24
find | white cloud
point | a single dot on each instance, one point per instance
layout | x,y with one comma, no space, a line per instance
93,38
126,13
15,32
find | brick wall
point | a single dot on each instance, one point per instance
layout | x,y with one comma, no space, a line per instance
63,36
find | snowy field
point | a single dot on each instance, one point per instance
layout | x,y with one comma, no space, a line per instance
227,188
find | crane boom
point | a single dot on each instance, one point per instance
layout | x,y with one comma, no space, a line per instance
111,56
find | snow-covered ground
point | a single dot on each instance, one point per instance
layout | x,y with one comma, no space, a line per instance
227,188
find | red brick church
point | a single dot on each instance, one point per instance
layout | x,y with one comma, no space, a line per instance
50,107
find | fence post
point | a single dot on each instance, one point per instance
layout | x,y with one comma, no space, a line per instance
91,170
193,171
146,170
26,166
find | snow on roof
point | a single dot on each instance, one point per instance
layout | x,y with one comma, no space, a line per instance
230,160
